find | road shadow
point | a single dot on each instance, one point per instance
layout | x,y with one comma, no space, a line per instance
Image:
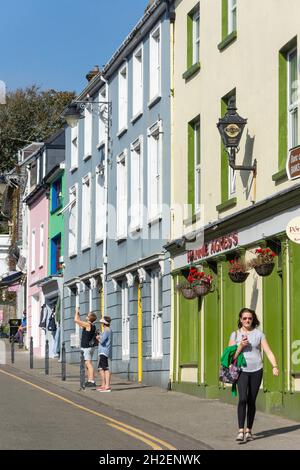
275,432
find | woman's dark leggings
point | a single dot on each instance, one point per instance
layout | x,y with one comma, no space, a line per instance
248,386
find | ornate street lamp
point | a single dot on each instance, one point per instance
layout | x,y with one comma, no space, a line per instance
231,128
73,112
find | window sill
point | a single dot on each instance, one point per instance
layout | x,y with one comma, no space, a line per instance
136,117
191,220
72,255
87,157
85,248
56,209
98,241
191,71
153,101
122,132
155,220
121,238
227,41
279,176
101,144
136,229
73,168
227,204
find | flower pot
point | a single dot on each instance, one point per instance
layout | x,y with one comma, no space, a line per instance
188,293
238,276
264,269
202,289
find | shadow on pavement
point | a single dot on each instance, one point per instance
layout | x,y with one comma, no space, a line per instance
275,432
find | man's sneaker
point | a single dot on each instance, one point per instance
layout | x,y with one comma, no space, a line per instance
90,384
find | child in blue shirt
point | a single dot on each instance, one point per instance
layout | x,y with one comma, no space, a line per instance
105,355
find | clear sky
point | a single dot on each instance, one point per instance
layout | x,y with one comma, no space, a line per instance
54,43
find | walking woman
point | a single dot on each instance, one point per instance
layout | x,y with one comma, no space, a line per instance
250,341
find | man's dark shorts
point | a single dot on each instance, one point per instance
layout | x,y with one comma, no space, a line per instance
103,362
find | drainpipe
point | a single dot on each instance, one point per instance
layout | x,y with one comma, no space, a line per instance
140,334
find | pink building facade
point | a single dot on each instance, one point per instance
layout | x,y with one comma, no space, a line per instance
38,205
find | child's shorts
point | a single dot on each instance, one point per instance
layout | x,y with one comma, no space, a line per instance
104,362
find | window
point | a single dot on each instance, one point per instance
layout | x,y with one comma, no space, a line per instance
231,182
154,171
88,122
194,166
86,212
74,147
73,228
42,243
156,314
56,195
231,16
55,255
136,209
123,99
155,64
122,195
125,322
103,116
292,98
33,250
100,204
196,36
137,83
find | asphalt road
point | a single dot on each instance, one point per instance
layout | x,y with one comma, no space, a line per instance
38,416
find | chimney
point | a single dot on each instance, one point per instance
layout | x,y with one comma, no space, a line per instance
92,73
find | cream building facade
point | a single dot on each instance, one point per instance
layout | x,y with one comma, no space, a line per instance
248,51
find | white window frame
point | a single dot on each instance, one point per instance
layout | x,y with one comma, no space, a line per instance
231,182
122,190
125,321
196,35
292,100
154,180
86,211
197,165
155,65
73,209
137,82
100,206
136,183
123,98
103,116
33,247
38,169
88,131
74,147
42,244
44,163
156,315
232,12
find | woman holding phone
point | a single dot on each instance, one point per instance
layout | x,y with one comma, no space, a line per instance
251,341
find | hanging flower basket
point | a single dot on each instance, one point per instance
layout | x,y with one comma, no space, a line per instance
264,269
238,276
188,293
202,289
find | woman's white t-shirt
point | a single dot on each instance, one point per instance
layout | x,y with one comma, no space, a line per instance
252,352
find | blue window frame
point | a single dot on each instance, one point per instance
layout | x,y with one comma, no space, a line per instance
55,254
56,197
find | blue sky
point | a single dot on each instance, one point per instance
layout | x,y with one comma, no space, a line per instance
54,43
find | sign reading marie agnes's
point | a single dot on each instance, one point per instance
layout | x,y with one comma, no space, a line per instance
213,247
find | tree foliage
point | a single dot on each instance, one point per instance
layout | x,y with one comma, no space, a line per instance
29,115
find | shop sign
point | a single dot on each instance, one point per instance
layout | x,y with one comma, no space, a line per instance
293,163
214,247
293,230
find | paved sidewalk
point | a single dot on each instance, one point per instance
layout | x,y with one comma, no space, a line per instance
209,421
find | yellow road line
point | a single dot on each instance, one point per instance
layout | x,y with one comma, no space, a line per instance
146,441
138,432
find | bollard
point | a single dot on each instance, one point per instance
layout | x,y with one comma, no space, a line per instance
47,357
12,350
31,352
82,371
63,361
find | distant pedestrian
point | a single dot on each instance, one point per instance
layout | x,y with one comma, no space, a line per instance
250,340
88,342
19,336
105,355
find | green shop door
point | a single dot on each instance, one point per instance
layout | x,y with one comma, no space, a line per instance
273,329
